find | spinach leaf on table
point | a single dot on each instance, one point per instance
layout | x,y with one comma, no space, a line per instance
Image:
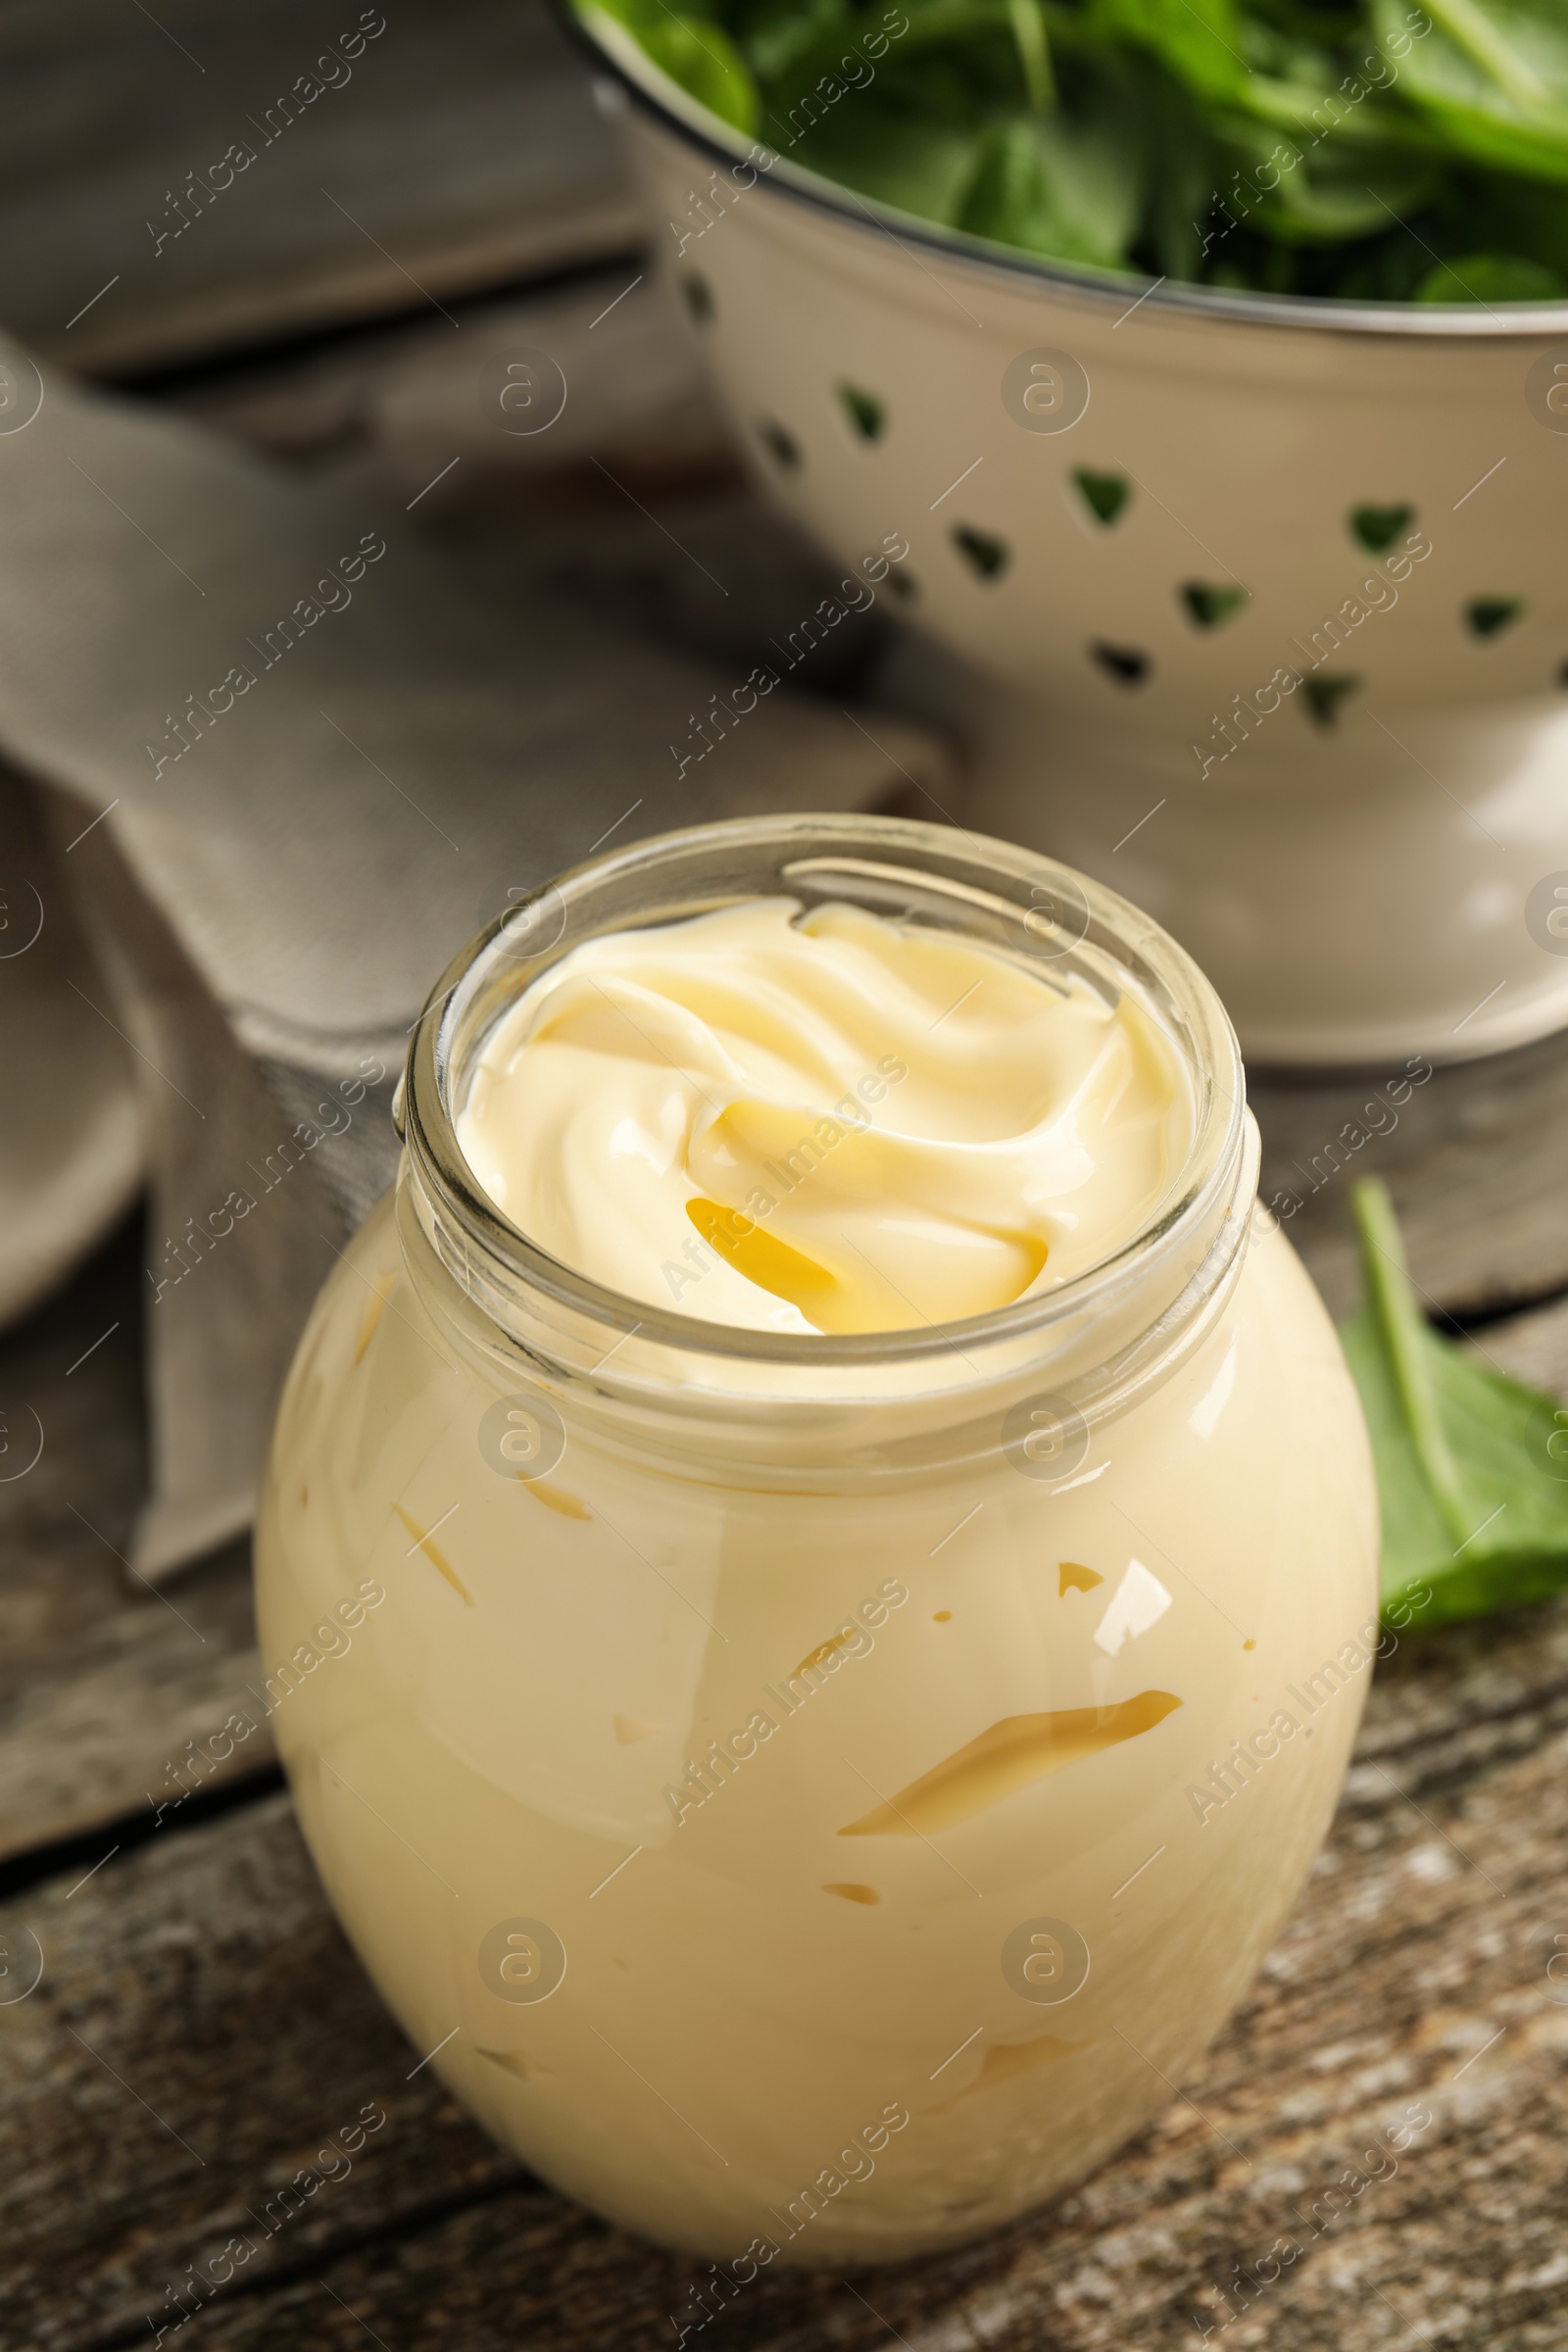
1472,1466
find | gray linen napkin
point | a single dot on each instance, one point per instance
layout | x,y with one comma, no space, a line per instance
294,758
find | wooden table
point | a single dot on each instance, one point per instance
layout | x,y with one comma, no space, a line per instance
201,2028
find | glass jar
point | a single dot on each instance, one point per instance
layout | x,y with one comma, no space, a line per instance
817,1794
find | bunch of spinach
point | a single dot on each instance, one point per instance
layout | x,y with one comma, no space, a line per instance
1472,1466
1386,150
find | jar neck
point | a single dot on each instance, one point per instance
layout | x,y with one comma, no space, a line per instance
780,1404
803,1425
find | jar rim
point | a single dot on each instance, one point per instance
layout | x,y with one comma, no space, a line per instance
998,887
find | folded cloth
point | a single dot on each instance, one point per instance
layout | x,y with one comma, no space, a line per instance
71,1146
294,758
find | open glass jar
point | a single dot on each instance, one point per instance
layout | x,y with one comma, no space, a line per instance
817,1792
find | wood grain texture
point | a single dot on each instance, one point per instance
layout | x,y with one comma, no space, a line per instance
460,149
102,1681
201,2035
393,403
1531,1347
1473,1158
633,504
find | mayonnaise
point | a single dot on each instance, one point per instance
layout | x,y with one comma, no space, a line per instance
803,1814
822,1121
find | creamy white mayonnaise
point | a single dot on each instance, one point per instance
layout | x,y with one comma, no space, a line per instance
823,1121
805,1818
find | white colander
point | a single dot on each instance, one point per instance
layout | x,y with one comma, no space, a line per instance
1275,590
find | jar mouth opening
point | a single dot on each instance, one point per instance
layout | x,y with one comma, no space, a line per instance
1018,902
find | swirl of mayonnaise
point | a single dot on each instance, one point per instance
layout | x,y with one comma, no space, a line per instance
823,1121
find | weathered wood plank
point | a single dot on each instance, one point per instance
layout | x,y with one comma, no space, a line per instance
1531,1347
631,504
456,148
102,1681
198,2035
1473,1158
401,398
128,1715
207,1974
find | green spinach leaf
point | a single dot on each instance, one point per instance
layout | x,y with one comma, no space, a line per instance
1346,148
1472,1466
1068,189
1495,78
